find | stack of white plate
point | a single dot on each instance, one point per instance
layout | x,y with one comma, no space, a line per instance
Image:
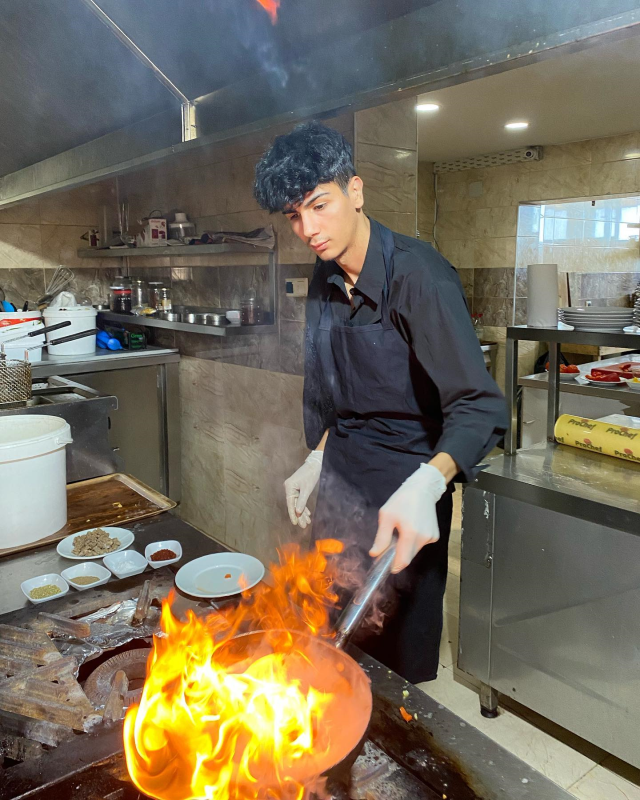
602,319
636,313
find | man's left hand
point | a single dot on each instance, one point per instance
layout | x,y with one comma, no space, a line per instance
411,510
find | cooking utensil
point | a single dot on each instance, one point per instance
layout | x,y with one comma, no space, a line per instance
37,332
62,278
15,380
71,338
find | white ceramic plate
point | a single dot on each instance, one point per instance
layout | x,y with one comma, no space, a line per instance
219,575
635,387
65,547
606,384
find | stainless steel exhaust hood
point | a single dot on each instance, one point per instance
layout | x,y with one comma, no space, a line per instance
78,103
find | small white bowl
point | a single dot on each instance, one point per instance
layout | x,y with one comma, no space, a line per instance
44,580
125,563
635,387
168,544
86,568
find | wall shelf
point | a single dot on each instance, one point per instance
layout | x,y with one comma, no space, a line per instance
173,250
189,327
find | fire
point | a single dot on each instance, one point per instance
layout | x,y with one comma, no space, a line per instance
238,705
271,7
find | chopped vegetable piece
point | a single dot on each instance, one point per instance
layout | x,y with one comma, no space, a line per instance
405,714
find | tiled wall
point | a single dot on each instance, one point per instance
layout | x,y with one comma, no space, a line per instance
386,156
38,235
426,200
477,226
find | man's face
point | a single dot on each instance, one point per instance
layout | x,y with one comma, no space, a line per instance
327,218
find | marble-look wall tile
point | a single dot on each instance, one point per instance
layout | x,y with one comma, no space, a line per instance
236,281
613,177
460,252
22,284
390,178
556,184
560,156
495,252
25,213
292,347
92,284
497,282
529,250
400,223
614,148
496,311
196,286
495,222
467,279
20,246
392,125
78,206
60,245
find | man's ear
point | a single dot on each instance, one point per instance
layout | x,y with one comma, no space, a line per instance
356,192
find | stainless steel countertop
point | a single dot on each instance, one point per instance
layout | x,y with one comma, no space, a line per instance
16,568
102,360
587,485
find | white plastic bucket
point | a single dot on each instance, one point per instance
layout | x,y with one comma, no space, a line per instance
81,318
33,477
16,349
10,318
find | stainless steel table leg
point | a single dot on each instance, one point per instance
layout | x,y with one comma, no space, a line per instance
553,399
511,389
488,701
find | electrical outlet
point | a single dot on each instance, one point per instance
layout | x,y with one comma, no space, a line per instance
297,287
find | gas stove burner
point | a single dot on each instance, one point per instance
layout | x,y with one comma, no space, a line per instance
132,662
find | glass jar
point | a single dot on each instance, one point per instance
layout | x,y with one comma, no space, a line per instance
155,300
478,327
250,310
139,293
121,298
165,298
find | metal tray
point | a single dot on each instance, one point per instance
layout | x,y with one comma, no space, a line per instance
115,499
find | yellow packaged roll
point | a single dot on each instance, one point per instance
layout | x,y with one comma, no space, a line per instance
599,437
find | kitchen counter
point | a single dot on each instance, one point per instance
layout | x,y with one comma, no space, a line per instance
18,567
102,360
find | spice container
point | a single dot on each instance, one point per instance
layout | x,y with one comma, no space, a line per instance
154,294
250,310
139,293
157,553
44,587
121,298
165,299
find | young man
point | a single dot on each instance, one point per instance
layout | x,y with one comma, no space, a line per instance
397,400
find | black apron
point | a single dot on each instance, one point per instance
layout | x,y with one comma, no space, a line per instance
380,438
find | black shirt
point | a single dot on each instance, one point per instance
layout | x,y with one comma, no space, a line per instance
428,307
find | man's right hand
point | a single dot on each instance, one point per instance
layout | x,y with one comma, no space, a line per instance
299,486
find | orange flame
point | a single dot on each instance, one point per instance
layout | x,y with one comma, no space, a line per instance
240,717
271,7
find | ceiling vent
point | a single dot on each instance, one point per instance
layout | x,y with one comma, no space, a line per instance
492,160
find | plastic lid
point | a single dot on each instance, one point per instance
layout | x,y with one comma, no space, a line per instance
28,435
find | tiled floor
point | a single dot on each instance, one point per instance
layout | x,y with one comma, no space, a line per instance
584,770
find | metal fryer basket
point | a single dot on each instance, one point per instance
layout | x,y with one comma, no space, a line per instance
15,380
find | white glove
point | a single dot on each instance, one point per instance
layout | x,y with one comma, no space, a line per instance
411,509
299,486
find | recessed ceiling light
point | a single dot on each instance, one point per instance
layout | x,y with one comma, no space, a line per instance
427,107
516,126
632,155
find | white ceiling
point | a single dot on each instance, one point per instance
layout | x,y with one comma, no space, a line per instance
586,95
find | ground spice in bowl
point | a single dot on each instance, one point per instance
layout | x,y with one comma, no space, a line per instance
40,592
162,555
85,580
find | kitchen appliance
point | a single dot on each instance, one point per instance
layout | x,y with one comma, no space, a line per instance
181,229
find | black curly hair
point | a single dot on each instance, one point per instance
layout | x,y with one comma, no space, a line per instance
298,161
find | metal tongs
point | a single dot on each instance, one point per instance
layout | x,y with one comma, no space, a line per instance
355,611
